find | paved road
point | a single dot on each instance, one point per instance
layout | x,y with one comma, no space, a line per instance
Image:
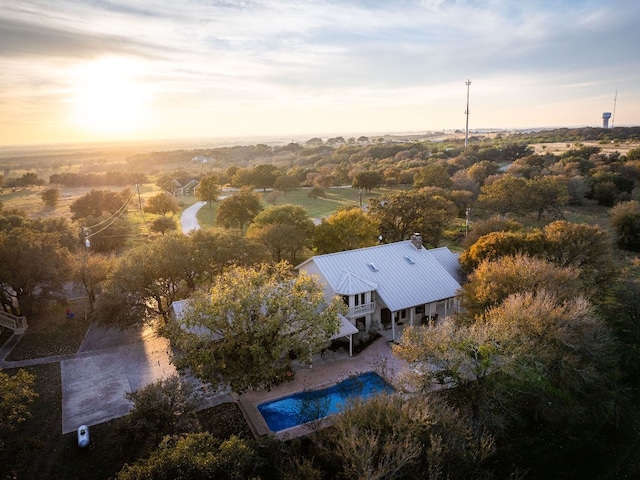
188,220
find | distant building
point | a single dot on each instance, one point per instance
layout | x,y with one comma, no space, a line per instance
605,119
184,186
201,159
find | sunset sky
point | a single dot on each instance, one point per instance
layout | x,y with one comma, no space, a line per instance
73,70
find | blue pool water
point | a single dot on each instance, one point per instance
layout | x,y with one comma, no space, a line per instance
306,406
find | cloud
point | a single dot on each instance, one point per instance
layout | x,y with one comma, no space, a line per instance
198,56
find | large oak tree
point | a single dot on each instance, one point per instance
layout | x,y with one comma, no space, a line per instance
246,330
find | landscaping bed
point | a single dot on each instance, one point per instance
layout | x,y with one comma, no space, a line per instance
51,333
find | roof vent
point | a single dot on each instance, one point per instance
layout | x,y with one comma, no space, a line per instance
372,266
409,260
416,240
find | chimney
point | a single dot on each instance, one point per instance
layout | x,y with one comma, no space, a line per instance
416,240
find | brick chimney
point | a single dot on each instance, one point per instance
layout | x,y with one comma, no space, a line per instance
416,240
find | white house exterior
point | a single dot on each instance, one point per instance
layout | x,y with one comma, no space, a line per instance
387,285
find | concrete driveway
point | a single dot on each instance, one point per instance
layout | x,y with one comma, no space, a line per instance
110,363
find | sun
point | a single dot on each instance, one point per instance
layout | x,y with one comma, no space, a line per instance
107,99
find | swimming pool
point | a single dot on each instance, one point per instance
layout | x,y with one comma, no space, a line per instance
310,405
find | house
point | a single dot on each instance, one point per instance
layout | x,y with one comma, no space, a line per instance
183,186
389,285
201,159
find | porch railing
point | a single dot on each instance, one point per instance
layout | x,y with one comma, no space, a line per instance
360,310
13,322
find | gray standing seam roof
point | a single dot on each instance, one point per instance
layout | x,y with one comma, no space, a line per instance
405,276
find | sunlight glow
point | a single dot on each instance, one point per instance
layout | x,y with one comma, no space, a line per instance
107,99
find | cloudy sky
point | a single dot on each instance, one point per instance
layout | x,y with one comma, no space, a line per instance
82,70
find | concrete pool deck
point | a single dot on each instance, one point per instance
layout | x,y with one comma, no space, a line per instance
326,371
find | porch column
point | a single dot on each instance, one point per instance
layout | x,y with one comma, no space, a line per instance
393,326
351,344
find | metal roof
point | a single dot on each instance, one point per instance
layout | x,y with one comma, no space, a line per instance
405,276
346,328
352,284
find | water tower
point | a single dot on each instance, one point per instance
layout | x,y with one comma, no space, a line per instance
605,119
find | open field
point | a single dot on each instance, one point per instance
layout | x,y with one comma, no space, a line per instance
558,148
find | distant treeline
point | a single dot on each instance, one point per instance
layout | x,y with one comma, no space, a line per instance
97,179
505,147
579,134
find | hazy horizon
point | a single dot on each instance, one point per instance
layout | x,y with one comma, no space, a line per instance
76,71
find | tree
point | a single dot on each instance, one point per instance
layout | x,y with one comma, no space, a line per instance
286,183
516,195
165,182
26,180
283,229
258,319
534,358
50,197
434,175
493,281
165,407
34,267
16,393
391,436
346,229
146,281
586,247
495,223
97,202
92,270
426,211
367,180
625,219
264,176
547,194
499,244
196,455
237,210
161,204
216,249
208,189
163,225
480,171
505,194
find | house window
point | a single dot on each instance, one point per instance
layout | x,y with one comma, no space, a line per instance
419,309
361,323
360,299
345,299
403,313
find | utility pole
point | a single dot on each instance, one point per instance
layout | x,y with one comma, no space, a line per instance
139,199
466,222
466,112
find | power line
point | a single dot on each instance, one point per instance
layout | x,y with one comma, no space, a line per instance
117,212
122,210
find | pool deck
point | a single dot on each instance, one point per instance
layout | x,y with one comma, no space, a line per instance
326,370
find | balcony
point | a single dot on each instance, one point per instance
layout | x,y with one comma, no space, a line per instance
361,310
